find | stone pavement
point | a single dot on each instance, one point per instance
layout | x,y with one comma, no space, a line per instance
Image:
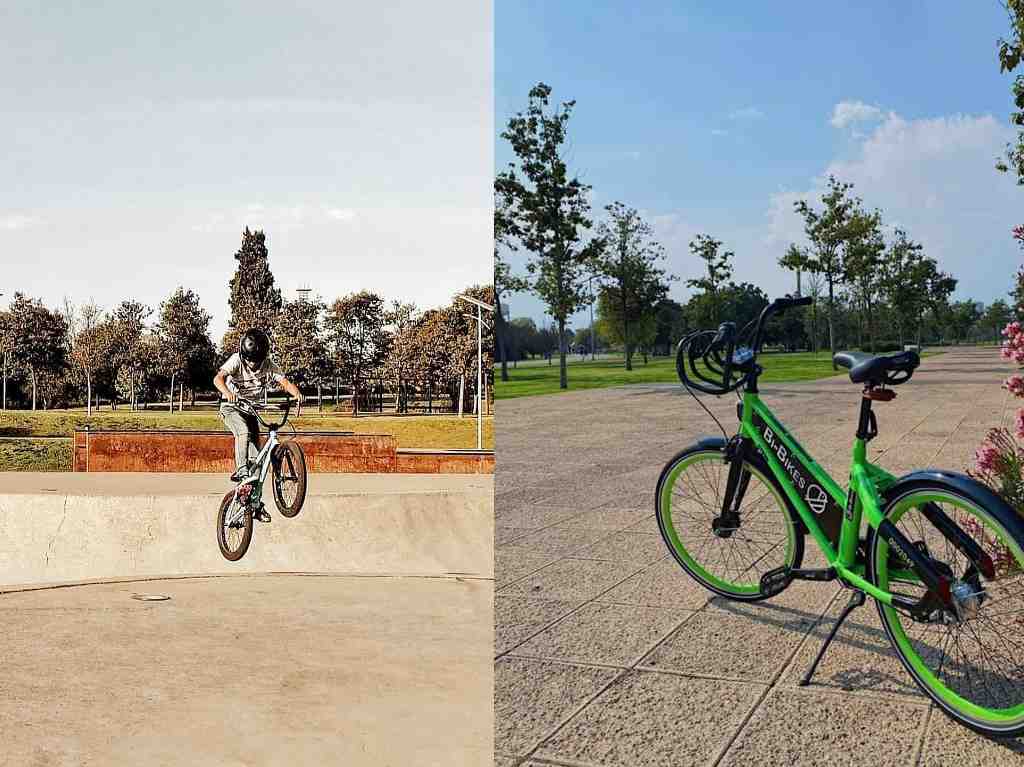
608,654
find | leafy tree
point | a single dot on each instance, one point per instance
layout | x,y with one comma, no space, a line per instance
183,334
301,351
90,344
963,316
506,230
254,299
126,328
1010,52
400,323
996,317
628,265
552,209
905,275
795,260
718,269
670,324
863,254
39,342
827,230
355,328
6,352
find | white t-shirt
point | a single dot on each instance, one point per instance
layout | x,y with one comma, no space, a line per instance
246,382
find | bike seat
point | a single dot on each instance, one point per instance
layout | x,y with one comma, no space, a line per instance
889,369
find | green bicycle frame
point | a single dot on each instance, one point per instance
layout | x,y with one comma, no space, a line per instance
862,500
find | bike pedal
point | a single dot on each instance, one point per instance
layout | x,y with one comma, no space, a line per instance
775,581
827,574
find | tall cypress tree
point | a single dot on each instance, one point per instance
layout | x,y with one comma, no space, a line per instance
255,301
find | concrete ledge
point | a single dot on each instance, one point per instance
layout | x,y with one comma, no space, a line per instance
211,451
156,525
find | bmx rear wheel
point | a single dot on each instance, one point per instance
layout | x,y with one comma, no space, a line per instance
234,528
289,463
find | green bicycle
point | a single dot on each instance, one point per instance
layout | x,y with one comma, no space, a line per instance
941,554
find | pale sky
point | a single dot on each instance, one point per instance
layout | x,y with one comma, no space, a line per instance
139,138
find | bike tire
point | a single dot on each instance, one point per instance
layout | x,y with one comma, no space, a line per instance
922,647
689,552
289,465
233,550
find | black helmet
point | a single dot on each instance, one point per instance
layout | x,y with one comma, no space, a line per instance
254,346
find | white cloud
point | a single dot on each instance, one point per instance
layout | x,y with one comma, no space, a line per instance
849,112
15,221
746,113
936,178
272,217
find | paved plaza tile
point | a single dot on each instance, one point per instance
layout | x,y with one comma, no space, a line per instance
611,655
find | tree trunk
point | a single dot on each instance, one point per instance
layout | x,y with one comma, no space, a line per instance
462,388
563,373
32,372
831,326
4,398
319,397
499,324
181,396
170,399
88,395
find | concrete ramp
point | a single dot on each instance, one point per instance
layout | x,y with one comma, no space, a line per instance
57,528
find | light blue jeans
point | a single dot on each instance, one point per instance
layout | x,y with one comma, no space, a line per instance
246,429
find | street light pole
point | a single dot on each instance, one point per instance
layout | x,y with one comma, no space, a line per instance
590,280
480,306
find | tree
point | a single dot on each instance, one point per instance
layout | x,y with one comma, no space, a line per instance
827,231
863,253
1010,52
627,265
90,344
670,324
796,260
905,275
355,328
39,339
552,209
183,336
301,351
126,328
254,299
6,352
400,323
996,317
506,230
963,316
717,271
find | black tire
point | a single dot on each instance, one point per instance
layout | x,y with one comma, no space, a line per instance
714,450
289,481
235,548
922,647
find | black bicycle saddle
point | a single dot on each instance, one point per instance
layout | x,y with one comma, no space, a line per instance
891,369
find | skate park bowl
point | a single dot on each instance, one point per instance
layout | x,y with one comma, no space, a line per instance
353,633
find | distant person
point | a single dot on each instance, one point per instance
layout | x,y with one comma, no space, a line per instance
247,374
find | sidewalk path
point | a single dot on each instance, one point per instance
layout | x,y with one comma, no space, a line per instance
608,654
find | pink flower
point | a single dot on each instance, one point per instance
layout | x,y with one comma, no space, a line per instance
1019,423
986,457
1018,233
1015,385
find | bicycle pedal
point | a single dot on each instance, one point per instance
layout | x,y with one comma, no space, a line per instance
775,581
826,574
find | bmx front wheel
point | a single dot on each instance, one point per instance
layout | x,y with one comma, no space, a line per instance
289,463
234,528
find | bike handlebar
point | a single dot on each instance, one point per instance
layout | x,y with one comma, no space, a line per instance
254,408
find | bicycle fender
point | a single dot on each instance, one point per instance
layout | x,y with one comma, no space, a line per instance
967,486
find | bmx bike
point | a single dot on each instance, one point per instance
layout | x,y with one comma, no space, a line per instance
941,554
285,461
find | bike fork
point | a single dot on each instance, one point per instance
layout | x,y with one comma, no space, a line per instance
856,600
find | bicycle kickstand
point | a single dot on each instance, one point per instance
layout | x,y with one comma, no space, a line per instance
856,600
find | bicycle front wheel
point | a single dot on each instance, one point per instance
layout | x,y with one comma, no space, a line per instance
289,466
234,527
726,555
970,665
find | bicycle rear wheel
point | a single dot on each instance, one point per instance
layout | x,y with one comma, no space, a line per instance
289,465
234,527
972,666
726,556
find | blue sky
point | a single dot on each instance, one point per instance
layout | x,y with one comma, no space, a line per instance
712,117
139,139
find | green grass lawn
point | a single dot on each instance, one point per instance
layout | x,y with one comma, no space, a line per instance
531,380
430,431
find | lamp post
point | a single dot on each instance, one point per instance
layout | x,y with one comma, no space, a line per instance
480,306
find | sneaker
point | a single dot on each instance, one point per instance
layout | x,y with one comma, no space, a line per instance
240,473
261,514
